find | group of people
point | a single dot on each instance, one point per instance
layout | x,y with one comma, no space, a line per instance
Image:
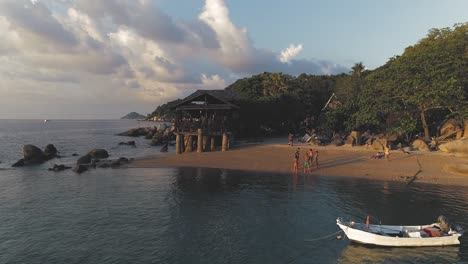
310,157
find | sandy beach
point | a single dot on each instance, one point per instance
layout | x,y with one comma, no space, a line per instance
275,155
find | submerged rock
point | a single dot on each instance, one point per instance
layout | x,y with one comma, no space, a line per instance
80,168
128,143
86,159
98,154
59,168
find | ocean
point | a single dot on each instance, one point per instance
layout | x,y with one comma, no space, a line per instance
195,215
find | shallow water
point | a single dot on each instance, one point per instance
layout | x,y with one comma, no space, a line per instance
194,215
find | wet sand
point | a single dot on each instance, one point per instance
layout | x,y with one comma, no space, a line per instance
276,156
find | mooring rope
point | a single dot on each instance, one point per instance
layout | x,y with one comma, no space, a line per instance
320,238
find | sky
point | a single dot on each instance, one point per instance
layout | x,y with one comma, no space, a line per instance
91,59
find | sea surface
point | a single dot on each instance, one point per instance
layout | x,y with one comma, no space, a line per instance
196,215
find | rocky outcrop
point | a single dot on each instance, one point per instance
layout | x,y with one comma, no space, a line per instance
50,151
128,143
80,168
157,138
59,168
353,139
450,127
459,146
137,132
379,143
98,154
420,145
33,154
86,159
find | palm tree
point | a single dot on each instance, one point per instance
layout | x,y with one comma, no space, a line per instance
358,68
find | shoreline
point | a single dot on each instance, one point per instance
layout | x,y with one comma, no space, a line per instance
274,155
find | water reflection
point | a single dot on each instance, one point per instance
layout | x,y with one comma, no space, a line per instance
355,253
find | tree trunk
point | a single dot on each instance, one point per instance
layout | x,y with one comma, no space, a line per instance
425,127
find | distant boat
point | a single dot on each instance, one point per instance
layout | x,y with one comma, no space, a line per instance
46,120
400,236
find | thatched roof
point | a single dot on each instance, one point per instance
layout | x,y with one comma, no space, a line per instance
221,99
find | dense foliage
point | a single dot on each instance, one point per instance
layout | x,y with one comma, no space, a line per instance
411,93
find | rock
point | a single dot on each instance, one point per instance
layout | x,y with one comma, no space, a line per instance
19,163
98,154
136,132
50,151
104,165
164,148
459,146
86,159
420,145
379,144
115,164
392,137
80,168
33,154
128,143
59,168
449,127
123,160
75,155
353,139
157,138
407,150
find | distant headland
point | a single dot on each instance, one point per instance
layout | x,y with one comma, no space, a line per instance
133,115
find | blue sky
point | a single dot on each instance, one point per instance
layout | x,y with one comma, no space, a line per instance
102,59
336,30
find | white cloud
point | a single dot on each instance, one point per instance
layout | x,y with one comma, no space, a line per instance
290,53
123,54
213,82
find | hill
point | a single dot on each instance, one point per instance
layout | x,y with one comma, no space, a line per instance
133,115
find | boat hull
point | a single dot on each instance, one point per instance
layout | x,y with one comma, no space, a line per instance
370,238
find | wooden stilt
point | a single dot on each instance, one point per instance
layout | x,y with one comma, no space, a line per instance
205,143
178,145
212,145
188,143
200,141
224,146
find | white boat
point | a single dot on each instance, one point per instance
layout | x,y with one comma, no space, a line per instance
399,236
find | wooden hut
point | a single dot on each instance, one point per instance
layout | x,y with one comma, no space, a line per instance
203,119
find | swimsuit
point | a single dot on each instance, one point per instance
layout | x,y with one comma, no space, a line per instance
306,164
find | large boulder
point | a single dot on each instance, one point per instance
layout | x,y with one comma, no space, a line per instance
450,127
420,145
157,138
98,154
33,154
379,144
135,132
459,146
128,143
50,151
86,159
353,139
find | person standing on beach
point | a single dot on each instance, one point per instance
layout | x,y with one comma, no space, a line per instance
310,155
297,154
387,153
295,165
306,163
291,139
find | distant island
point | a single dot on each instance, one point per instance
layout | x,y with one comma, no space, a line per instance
133,115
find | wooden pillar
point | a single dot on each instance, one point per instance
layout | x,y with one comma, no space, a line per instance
178,146
205,143
224,146
465,134
200,141
188,143
212,144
